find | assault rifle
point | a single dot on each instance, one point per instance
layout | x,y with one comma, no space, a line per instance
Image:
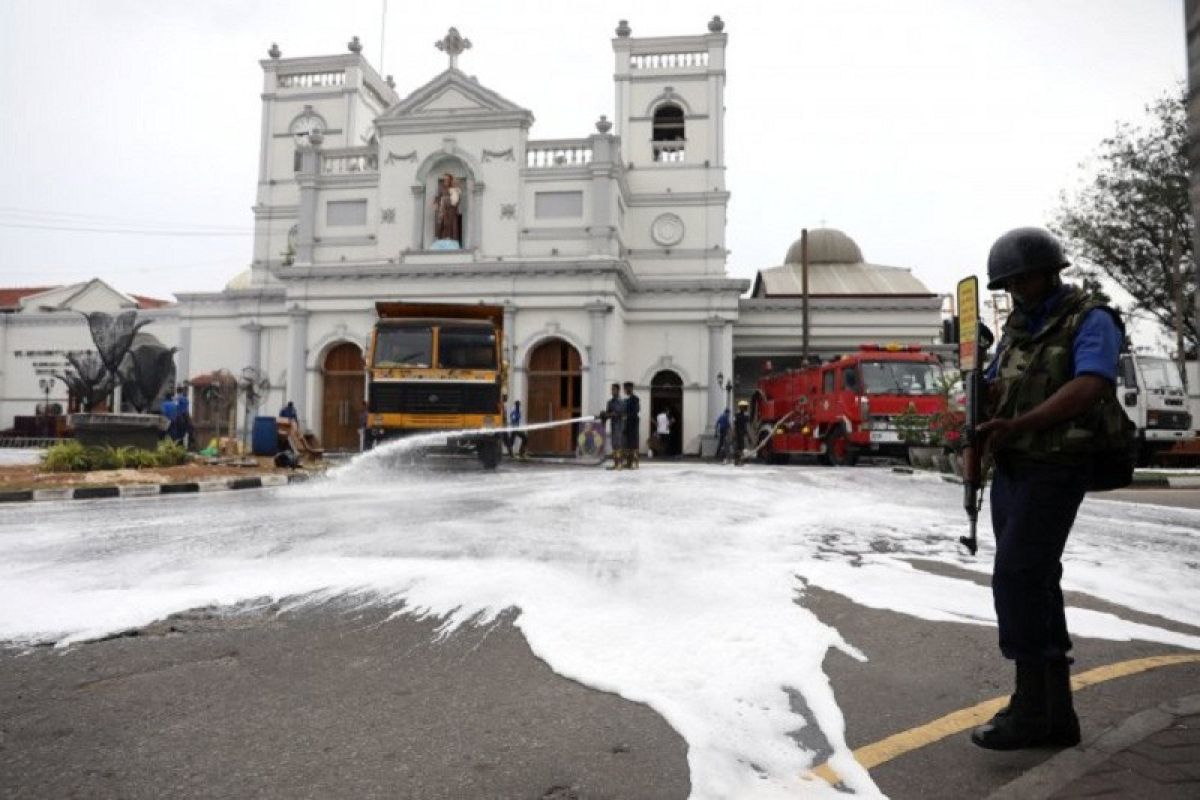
974,339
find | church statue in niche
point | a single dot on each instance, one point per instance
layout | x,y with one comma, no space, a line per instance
447,215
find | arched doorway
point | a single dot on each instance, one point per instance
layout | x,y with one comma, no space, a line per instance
666,394
555,392
344,386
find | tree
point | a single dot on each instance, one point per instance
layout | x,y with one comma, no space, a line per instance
1132,220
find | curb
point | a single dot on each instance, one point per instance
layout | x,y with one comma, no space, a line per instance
151,489
1060,770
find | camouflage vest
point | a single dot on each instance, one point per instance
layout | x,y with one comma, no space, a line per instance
1035,366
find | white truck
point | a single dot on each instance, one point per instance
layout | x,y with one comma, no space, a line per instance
1151,391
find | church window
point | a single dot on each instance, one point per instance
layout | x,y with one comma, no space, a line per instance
668,133
297,161
345,212
558,205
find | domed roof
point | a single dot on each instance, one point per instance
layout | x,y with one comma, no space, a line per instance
826,246
240,281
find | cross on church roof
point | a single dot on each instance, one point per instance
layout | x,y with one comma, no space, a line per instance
452,45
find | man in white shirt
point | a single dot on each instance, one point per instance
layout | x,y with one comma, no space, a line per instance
662,426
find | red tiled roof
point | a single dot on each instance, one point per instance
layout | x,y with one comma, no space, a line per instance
150,302
11,297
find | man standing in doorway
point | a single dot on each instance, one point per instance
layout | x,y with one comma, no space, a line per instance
631,423
662,426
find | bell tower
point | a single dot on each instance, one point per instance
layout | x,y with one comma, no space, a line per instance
671,97
670,115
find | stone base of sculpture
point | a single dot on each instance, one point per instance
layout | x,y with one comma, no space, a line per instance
119,430
445,244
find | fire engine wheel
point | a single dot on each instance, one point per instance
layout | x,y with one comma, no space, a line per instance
839,450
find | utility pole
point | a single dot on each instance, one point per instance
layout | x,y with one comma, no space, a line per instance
804,294
1191,24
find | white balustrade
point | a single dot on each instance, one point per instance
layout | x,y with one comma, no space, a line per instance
551,154
669,152
311,80
349,164
668,60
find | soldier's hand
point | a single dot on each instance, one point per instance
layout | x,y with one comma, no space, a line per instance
995,431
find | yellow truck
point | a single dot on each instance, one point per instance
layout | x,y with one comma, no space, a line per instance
436,367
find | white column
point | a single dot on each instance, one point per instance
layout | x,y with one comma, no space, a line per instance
297,383
510,348
183,358
253,361
716,364
598,313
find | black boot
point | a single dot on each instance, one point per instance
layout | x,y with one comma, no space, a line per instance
1063,724
1024,722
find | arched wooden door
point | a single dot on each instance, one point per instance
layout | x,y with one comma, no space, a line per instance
555,392
344,390
666,394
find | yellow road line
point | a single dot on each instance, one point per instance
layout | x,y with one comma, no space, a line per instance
872,755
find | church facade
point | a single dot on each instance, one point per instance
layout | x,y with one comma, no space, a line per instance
607,251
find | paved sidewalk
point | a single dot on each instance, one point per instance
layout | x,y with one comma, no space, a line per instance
1164,766
1153,754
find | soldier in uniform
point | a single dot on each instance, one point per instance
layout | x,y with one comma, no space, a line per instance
1054,412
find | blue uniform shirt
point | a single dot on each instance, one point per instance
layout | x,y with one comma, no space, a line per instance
1097,342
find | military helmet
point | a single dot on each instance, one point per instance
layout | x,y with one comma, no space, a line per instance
1023,250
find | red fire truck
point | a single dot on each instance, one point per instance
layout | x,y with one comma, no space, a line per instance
847,406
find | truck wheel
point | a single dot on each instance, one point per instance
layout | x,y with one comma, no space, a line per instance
489,453
840,450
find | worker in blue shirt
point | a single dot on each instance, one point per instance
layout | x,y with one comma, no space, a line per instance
514,421
1053,412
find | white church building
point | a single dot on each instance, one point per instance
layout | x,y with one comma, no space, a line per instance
607,251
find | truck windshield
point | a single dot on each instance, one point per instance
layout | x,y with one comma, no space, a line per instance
409,346
1159,373
901,377
467,348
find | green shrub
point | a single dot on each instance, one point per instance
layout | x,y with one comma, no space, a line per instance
71,456
68,456
136,458
170,454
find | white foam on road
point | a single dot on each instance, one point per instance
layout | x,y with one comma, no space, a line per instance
675,585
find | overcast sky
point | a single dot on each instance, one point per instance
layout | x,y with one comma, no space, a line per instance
921,128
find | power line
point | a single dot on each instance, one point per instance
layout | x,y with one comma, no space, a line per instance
43,216
124,231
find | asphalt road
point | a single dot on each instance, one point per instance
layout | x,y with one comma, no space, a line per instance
348,699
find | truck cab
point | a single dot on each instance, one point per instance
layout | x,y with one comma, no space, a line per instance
1151,391
437,368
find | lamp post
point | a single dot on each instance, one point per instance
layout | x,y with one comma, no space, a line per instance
46,384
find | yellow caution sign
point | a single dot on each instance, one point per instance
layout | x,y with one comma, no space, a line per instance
968,323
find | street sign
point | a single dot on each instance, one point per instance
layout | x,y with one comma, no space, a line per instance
968,322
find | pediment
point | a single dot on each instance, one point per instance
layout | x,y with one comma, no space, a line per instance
454,94
93,295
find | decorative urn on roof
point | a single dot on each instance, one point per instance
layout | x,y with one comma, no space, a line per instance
274,52
716,24
354,45
623,29
603,125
